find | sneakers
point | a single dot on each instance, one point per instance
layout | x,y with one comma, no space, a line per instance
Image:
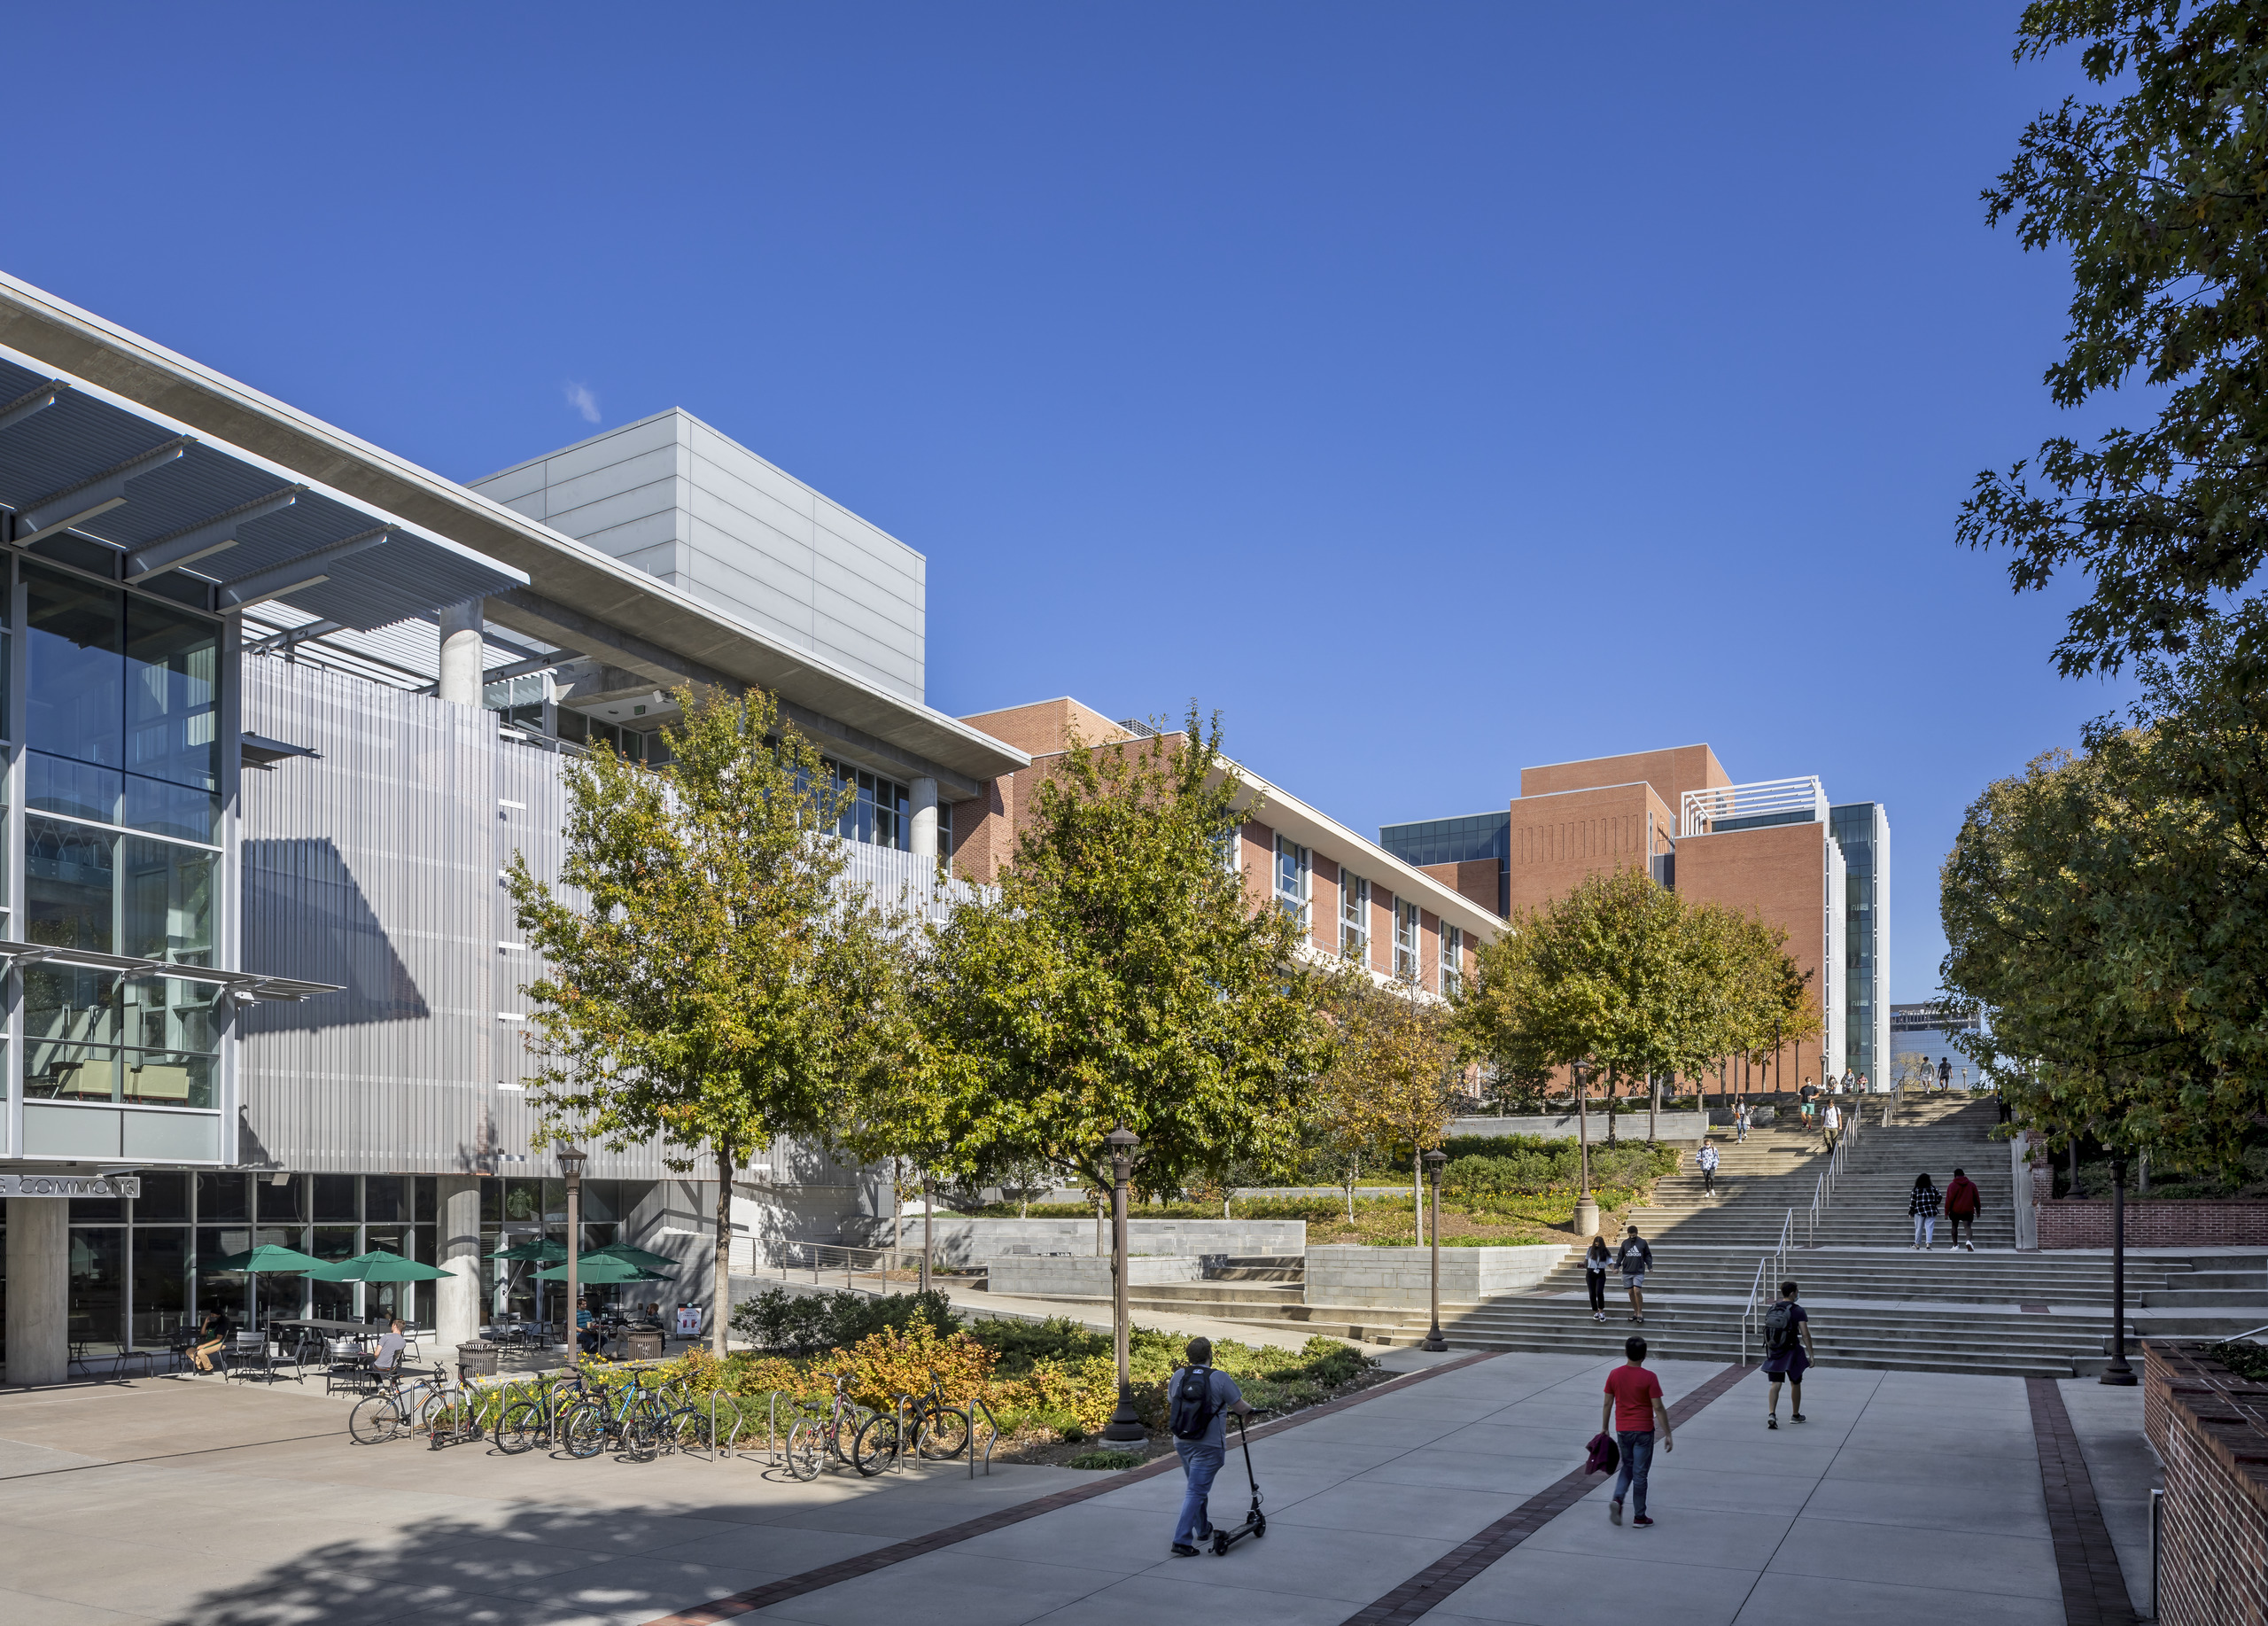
1641,1522
1770,1421
1614,1512
1796,1417
1182,1550
1599,1315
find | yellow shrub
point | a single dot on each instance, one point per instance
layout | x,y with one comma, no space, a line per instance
887,1364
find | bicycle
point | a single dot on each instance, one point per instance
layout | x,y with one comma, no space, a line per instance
940,1429
815,1438
387,1413
450,1416
643,1423
522,1422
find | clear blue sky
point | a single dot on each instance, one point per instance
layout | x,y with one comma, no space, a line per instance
1435,389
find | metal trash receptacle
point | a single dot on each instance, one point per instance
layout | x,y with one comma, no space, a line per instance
477,1356
643,1346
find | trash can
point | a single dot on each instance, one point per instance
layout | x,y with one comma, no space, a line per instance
643,1346
478,1358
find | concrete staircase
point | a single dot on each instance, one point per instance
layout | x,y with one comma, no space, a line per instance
1874,1302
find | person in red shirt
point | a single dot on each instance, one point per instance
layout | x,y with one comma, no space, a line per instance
1961,1204
1633,1409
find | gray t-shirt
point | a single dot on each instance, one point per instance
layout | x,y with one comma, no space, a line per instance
1224,1395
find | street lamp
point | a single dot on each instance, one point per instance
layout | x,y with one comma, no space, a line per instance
1125,1423
1434,1341
570,1162
2118,1375
1585,1205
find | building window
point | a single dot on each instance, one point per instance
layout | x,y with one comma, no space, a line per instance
1354,915
1405,941
1293,880
1452,960
881,813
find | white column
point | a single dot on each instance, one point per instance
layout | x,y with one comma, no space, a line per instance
925,817
457,1310
460,652
39,1289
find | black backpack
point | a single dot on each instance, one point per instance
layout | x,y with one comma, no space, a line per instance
1192,1404
1779,1328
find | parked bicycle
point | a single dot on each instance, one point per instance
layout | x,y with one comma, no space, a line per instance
843,1422
643,1419
451,1414
531,1419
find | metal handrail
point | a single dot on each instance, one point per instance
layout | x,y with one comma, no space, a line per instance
816,1256
1748,1314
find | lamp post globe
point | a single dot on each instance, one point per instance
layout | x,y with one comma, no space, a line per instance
1125,1425
1434,1341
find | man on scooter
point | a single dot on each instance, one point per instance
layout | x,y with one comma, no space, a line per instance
1198,1402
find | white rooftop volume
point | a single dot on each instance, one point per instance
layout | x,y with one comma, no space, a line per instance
684,503
1766,801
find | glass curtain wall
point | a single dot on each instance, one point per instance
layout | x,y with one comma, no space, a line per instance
141,1266
121,786
1853,826
514,1212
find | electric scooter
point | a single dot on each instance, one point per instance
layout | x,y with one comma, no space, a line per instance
1255,1523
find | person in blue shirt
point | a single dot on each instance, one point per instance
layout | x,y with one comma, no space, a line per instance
1201,1456
586,1334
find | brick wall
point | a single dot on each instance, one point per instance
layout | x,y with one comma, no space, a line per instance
1558,840
2085,1222
1473,877
2213,1547
1777,872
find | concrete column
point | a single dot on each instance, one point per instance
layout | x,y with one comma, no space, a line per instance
925,817
39,1289
458,1312
460,652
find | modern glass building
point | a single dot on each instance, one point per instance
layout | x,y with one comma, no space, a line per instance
1475,837
1862,830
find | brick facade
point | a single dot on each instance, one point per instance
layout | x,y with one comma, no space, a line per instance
1778,873
2184,1222
1558,840
2213,1546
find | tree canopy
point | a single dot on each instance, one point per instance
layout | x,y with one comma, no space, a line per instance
1123,976
707,980
2161,200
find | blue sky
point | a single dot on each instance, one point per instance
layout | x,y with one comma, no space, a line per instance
1435,389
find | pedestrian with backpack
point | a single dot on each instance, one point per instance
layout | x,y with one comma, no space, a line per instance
1598,1258
1962,1200
1788,1353
1922,1208
1708,1162
1633,1260
1634,1411
1198,1402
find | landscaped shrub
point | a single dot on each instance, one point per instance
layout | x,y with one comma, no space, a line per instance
778,1319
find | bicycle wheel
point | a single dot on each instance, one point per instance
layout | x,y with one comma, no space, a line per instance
942,1434
445,1417
642,1435
686,1429
583,1430
520,1426
805,1448
376,1418
875,1447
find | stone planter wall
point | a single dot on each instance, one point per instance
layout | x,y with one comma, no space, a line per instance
972,1241
1035,1276
1400,1278
2151,1222
1562,1126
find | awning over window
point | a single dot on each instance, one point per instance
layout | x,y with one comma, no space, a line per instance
74,458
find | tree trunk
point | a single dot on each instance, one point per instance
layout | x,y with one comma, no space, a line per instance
927,1236
721,1299
1354,1173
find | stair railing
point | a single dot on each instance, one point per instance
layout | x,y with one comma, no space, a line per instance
1748,1316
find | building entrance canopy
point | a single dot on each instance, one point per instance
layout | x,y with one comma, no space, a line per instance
75,458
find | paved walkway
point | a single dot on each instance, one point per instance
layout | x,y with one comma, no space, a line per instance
1907,1496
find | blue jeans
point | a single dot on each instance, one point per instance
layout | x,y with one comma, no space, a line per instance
1637,1447
1200,1462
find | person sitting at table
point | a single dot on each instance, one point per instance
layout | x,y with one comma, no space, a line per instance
213,1335
586,1333
391,1345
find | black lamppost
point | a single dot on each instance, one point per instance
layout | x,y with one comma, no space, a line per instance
2118,1374
1434,1341
1125,1423
1585,1205
571,1160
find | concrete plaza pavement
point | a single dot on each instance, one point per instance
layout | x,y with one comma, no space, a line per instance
1906,1496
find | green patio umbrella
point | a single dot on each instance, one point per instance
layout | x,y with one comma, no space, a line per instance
636,1255
378,1264
601,1269
543,1250
266,1258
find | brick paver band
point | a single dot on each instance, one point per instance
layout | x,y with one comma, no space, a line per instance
2087,1565
881,1558
1432,1585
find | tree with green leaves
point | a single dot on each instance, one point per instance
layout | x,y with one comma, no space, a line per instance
1391,1083
2160,199
1123,976
708,981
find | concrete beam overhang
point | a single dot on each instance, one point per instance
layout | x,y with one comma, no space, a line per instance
573,583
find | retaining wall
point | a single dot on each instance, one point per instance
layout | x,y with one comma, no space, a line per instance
1400,1278
2151,1222
2213,1546
1036,1276
1562,1126
972,1241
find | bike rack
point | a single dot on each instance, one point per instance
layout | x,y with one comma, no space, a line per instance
975,1404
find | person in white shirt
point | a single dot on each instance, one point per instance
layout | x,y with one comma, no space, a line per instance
1832,1124
1707,1161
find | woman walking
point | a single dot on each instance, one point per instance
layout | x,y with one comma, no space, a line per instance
1922,1206
1597,1261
